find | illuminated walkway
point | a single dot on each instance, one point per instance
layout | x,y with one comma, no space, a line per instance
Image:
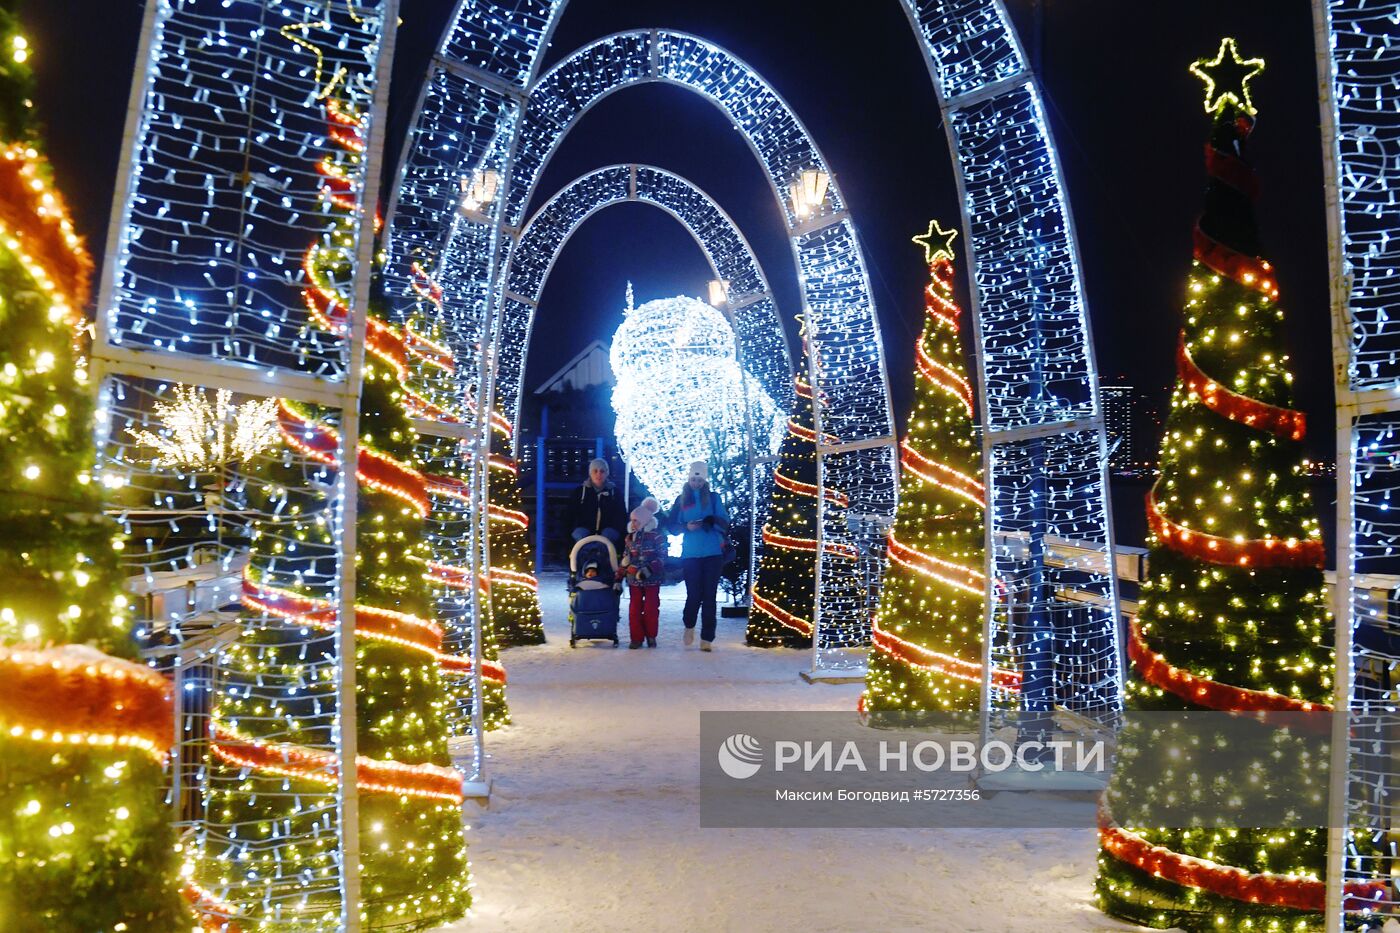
594,822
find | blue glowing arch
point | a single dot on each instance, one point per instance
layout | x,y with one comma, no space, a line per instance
487,106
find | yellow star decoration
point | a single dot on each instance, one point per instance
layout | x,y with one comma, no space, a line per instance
1227,78
322,92
937,242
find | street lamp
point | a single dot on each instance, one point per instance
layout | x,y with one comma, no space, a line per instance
479,190
808,192
719,292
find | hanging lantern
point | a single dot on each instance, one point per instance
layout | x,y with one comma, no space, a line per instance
808,192
719,292
479,190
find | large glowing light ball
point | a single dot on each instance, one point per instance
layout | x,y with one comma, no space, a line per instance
680,394
670,329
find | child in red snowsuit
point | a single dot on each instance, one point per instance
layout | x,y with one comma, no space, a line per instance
642,558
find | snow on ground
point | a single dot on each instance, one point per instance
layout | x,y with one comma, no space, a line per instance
593,822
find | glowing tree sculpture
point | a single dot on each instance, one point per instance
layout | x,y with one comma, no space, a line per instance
1233,616
927,637
433,393
449,535
195,432
784,591
515,617
85,842
412,854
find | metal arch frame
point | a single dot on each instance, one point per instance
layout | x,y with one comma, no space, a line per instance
825,247
494,48
733,260
654,76
337,391
640,193
1353,186
825,250
648,47
1003,73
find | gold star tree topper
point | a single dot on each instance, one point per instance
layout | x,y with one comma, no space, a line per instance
1227,78
937,242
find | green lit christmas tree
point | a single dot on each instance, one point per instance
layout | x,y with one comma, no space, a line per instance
927,639
434,393
1233,616
85,840
784,590
515,602
267,848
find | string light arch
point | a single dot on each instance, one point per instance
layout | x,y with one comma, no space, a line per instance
235,163
762,344
488,106
470,253
1357,63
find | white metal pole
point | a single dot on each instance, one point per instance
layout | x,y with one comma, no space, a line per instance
1342,602
349,458
810,350
156,12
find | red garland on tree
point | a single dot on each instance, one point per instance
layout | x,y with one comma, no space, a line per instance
784,589
1233,616
927,636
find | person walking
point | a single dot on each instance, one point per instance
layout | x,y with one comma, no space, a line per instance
598,508
643,566
700,516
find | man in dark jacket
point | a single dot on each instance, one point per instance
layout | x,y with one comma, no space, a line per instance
598,508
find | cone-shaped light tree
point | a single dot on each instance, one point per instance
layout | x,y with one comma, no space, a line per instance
85,837
515,601
435,393
926,650
1233,616
784,589
269,749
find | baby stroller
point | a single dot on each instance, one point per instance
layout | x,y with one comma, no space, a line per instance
594,600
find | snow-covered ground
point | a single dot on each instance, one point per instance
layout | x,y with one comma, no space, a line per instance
594,819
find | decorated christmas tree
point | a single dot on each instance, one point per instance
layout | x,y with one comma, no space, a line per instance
515,601
784,589
926,648
85,840
434,393
271,743
1233,616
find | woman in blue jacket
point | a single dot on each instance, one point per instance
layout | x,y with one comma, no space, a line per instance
701,517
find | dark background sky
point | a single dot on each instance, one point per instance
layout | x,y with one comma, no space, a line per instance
1125,113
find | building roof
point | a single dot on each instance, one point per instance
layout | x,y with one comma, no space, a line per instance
589,368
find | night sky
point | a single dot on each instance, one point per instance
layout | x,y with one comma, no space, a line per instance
1126,115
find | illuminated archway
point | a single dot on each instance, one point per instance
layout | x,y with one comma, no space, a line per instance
468,257
762,346
1358,64
488,107
763,349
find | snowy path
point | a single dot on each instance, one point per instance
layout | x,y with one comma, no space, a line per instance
594,820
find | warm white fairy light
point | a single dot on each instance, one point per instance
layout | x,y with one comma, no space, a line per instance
194,430
479,190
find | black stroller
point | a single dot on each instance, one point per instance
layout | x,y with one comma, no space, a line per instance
594,599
